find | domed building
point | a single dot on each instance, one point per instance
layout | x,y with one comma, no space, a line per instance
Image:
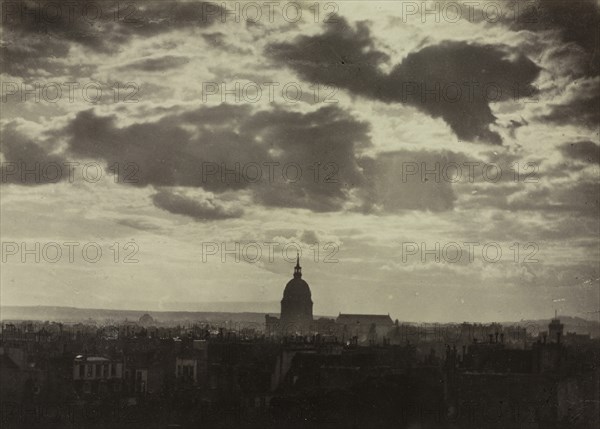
146,320
296,307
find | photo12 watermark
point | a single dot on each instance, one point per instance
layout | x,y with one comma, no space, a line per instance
468,252
269,11
268,172
267,251
250,92
53,252
67,12
68,171
69,92
469,172
467,92
451,12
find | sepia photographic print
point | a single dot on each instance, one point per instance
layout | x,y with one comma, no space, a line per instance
280,214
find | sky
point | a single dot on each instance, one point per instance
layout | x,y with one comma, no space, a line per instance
437,161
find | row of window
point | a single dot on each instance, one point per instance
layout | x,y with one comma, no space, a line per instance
97,370
185,370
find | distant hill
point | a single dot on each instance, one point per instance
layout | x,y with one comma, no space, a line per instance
72,315
572,324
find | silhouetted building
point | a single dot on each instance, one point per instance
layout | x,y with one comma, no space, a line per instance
366,327
555,329
296,307
97,375
146,320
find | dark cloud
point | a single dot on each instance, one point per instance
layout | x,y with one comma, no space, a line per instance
348,58
449,65
583,109
513,126
204,208
219,40
38,54
140,224
587,151
103,25
36,34
309,237
287,159
157,64
577,21
323,143
216,39
306,160
157,148
28,163
342,56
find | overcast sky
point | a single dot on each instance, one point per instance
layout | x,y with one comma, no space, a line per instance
399,90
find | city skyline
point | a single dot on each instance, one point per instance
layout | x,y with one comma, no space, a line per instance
302,214
272,308
443,162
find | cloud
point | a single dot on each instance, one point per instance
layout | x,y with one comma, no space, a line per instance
576,21
278,157
29,163
309,237
157,64
449,65
139,224
285,158
580,198
200,208
36,38
513,126
586,150
580,106
24,59
347,57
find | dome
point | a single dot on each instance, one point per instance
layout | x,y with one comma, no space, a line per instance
146,320
297,288
296,305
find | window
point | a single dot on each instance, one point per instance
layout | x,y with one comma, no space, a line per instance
88,370
113,369
81,371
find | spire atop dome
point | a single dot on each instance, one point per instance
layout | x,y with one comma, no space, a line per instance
298,268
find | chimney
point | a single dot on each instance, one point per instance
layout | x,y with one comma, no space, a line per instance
496,336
